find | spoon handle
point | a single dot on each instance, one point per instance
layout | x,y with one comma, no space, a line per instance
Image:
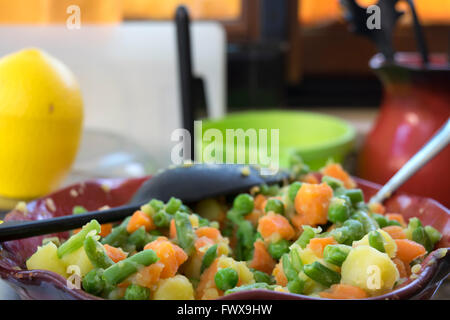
439,141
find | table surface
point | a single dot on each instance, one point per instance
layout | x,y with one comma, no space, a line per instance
362,119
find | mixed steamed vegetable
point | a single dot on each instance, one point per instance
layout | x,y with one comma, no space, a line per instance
315,236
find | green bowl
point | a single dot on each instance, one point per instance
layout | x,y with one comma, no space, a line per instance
317,138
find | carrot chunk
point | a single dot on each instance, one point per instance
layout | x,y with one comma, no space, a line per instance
105,229
397,217
149,276
279,275
260,202
169,254
311,204
208,232
343,291
401,267
116,254
262,260
139,219
408,250
318,245
335,170
273,223
395,232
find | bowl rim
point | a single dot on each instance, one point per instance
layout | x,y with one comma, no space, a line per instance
412,287
343,142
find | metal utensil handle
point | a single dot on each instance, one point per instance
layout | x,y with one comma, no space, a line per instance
439,141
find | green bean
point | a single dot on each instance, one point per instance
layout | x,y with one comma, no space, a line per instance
307,234
376,241
290,272
414,223
136,292
332,182
79,210
380,219
262,277
433,234
274,205
393,223
76,241
356,228
93,282
118,235
296,286
54,240
97,253
140,238
245,237
277,249
203,222
173,205
253,286
350,231
321,274
368,223
293,190
338,210
296,261
226,278
336,253
156,204
124,268
420,236
162,219
208,258
234,216
355,195
243,204
185,233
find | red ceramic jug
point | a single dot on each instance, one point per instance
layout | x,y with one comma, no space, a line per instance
415,105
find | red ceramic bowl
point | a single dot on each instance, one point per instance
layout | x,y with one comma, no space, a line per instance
41,284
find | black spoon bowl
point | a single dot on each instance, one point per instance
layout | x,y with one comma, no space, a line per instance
189,183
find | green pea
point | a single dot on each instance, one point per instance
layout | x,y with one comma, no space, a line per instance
296,286
226,279
136,292
274,205
79,210
277,249
293,190
376,241
269,190
244,204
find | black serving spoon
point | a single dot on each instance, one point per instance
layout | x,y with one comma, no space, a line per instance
189,183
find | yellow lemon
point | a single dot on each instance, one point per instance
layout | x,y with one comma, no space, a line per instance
41,114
